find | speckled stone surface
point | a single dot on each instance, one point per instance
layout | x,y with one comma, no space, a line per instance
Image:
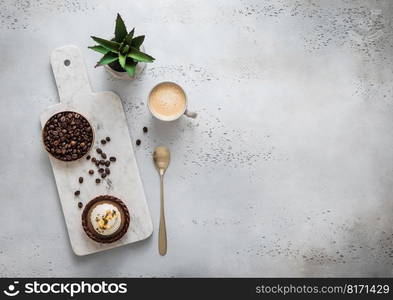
288,170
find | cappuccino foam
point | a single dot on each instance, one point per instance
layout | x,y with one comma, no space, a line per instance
167,100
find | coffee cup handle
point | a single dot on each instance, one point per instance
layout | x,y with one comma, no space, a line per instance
190,114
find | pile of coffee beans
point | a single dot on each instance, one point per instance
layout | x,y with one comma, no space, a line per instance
67,136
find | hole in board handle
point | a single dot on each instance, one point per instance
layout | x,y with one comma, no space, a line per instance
67,62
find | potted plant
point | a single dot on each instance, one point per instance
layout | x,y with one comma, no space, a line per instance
124,55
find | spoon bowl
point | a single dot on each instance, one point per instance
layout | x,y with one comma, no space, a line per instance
161,157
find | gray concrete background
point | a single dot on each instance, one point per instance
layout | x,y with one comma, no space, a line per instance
287,171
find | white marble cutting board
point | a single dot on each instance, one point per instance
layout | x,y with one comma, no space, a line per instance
105,112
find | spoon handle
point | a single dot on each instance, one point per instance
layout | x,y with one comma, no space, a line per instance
162,230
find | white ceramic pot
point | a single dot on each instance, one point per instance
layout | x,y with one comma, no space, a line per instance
140,67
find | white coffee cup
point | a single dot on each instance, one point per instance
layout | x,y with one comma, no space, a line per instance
168,102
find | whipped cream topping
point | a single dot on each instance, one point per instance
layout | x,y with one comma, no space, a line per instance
105,218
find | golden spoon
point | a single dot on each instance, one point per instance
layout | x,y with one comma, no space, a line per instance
161,157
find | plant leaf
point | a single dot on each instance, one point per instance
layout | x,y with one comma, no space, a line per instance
128,38
122,60
99,48
107,59
130,67
120,29
140,56
110,45
137,41
125,49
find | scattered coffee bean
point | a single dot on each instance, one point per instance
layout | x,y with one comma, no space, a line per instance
97,163
88,157
107,171
67,136
91,172
103,142
103,155
99,151
101,170
145,129
80,205
112,158
98,180
93,159
138,142
77,193
103,175
102,162
107,163
80,179
108,139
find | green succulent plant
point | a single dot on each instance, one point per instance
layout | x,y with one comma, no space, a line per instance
122,53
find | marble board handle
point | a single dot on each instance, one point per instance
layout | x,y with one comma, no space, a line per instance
70,73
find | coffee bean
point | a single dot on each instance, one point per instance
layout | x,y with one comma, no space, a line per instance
138,142
112,158
80,179
93,159
107,163
102,162
103,175
77,193
107,171
80,204
91,172
103,155
103,142
99,151
108,139
67,136
145,129
98,180
101,170
97,163
88,157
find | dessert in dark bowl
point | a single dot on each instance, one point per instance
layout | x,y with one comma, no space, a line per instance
105,219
